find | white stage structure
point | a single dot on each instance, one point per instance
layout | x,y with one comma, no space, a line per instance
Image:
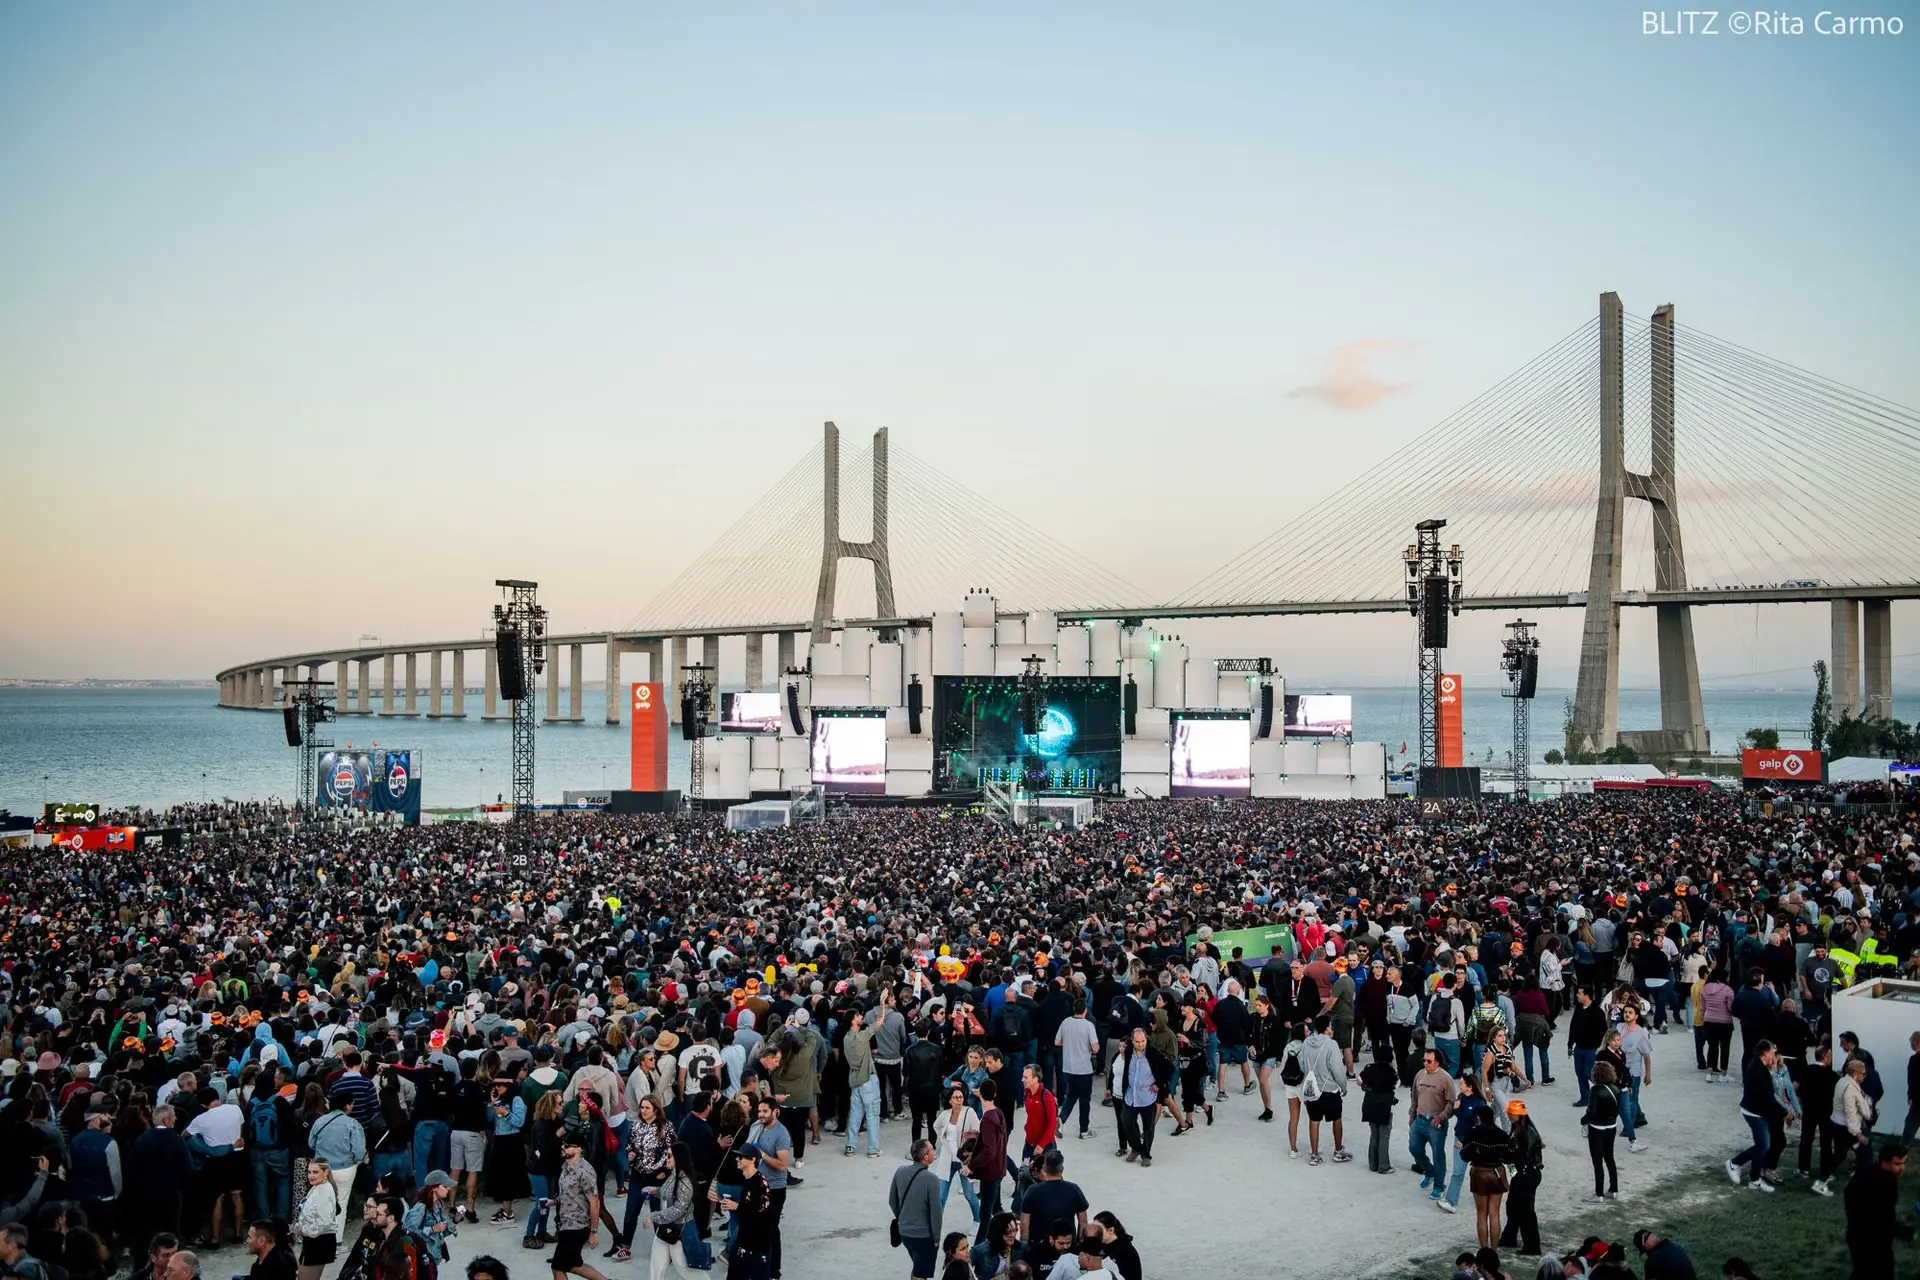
858,668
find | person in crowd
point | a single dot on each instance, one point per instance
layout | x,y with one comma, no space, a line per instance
1873,1223
1486,1153
1526,1150
1760,1107
1662,1257
956,1132
1379,1084
914,1199
317,1228
272,1259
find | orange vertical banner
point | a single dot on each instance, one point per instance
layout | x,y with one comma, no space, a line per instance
649,770
1451,754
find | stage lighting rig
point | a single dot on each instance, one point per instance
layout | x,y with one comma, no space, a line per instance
1520,659
1433,586
521,619
696,720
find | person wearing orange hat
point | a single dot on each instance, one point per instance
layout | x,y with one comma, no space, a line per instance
1526,1154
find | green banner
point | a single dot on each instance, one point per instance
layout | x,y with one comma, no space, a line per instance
1255,944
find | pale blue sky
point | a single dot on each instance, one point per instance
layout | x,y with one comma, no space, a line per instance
253,252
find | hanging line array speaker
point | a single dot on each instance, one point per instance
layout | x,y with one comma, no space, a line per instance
914,694
1266,711
1529,674
291,715
508,657
1434,603
1129,706
793,710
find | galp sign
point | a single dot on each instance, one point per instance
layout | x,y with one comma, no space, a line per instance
1781,766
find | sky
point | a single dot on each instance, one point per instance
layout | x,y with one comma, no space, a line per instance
315,321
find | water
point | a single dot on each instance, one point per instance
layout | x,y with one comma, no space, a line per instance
166,746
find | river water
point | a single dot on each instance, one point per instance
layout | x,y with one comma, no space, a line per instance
165,746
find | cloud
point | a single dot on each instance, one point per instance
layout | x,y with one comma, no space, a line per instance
1347,380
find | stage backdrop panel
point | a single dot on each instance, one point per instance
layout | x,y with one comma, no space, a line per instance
910,754
1103,646
909,782
841,691
978,609
884,674
949,640
730,666
1156,786
826,660
1071,651
1137,756
1299,758
1371,787
764,780
978,651
1369,759
1152,724
1332,757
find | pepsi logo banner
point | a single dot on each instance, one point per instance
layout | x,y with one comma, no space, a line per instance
1782,766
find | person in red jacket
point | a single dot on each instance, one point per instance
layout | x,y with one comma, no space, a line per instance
1043,1114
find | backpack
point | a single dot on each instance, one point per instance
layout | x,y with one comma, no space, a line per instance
1292,1073
1440,1014
1007,1027
429,1260
1486,1020
263,1124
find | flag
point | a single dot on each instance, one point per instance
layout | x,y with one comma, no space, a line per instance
1403,748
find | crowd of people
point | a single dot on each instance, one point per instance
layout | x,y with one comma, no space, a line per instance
336,1045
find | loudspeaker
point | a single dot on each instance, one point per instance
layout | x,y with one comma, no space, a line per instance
1529,674
1452,783
690,718
793,711
913,705
1029,713
1129,706
291,716
1266,711
513,675
1434,601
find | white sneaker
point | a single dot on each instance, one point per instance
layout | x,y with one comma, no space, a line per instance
1293,1153
1444,1207
1761,1184
1733,1173
1635,1147
1821,1188
1596,1198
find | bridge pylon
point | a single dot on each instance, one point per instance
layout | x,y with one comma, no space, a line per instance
1596,709
834,548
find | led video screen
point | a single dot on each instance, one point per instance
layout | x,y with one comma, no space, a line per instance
1319,715
850,752
978,737
751,713
1211,756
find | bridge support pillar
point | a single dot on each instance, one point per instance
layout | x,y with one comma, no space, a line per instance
1878,618
756,659
785,657
388,706
413,683
668,676
490,708
433,685
342,689
573,681
616,689
1844,679
459,684
552,712
262,683
366,686
834,548
1596,701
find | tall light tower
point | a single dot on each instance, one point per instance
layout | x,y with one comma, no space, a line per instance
1433,595
1520,659
519,637
696,721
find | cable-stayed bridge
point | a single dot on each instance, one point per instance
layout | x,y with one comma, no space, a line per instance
1635,463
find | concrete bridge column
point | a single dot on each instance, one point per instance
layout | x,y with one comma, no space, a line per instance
342,689
552,712
413,684
1878,617
490,709
573,678
616,691
668,678
258,693
1845,681
433,685
459,684
784,656
388,707
366,686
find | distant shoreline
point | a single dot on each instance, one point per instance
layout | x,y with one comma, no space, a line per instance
12,682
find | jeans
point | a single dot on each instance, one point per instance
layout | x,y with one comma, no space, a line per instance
864,1105
1427,1143
431,1141
1079,1092
989,1205
1757,1153
1016,1062
537,1215
1657,997
890,1088
1606,1174
343,1180
1449,1051
1719,1046
1458,1178
386,1162
923,1106
921,1251
1583,1060
621,1159
1546,1068
1048,1059
1380,1146
638,1198
957,1170
730,1191
1630,1108
795,1117
1136,1129
273,1183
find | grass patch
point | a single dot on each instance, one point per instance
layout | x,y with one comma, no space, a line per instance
1789,1235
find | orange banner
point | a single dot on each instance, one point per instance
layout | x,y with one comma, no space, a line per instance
1782,766
649,771
1450,753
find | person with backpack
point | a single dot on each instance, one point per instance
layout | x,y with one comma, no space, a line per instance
272,1125
1446,1022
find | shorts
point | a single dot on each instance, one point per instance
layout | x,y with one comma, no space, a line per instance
1233,1053
567,1250
318,1251
1324,1107
466,1151
1487,1180
1343,1032
1290,1091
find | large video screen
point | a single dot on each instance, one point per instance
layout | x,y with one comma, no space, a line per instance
850,752
1212,755
977,735
750,713
1319,715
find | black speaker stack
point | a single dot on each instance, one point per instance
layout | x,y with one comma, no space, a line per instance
793,710
1266,712
1433,613
509,658
1129,706
914,696
290,715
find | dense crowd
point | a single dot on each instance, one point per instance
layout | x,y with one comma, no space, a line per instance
338,1044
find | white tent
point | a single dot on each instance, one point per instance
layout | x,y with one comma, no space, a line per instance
1857,769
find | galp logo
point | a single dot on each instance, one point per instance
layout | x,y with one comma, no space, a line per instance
642,697
1792,766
